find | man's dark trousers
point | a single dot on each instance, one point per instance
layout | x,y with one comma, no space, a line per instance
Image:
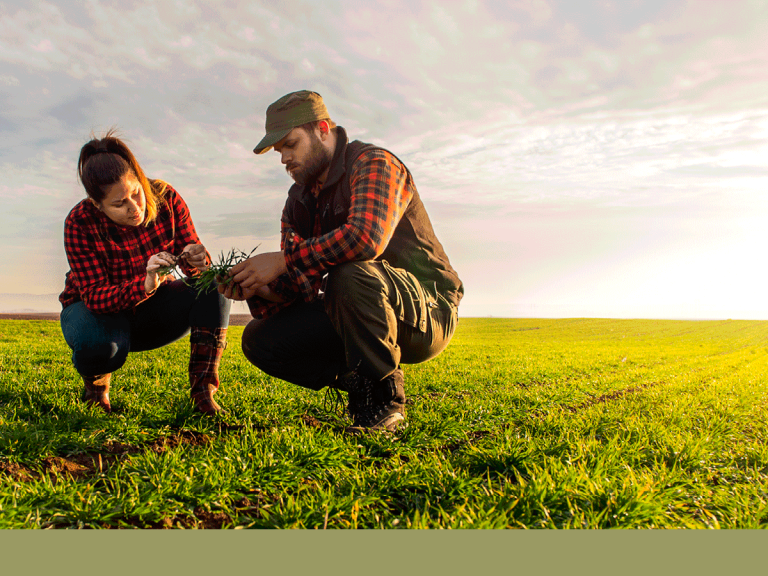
372,318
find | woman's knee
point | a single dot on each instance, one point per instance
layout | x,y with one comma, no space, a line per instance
100,357
100,343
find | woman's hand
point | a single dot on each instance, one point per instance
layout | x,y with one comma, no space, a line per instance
154,266
196,256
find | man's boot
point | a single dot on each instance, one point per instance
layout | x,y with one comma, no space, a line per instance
376,405
96,391
206,347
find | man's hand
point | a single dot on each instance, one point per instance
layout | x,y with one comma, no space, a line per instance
233,291
196,257
258,270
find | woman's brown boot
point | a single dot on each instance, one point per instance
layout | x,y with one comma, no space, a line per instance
96,391
206,347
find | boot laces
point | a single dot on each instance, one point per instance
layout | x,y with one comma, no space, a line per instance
333,401
361,401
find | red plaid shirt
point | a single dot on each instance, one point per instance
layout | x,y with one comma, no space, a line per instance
108,262
380,194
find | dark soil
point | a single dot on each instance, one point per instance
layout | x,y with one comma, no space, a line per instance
17,471
79,466
187,437
310,420
610,396
212,520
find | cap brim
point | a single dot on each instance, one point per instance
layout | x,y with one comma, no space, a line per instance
270,140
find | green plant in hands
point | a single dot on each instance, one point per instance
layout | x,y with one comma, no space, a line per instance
173,270
214,275
217,272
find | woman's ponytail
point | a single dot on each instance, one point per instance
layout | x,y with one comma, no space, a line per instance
104,161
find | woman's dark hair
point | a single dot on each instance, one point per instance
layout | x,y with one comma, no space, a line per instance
104,161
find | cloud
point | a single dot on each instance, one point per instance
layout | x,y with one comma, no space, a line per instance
509,115
9,80
640,158
74,112
251,223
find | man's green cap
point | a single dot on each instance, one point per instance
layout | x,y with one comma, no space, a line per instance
291,110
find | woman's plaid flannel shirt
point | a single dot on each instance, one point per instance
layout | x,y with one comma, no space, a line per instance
108,262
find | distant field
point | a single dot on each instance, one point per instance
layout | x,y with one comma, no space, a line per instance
234,319
521,423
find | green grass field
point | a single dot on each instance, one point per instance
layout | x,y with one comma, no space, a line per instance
521,423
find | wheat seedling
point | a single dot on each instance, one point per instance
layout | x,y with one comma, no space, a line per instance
174,269
217,272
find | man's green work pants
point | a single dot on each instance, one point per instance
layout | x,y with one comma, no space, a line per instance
372,318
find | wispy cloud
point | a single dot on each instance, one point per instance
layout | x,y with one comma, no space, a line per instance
550,126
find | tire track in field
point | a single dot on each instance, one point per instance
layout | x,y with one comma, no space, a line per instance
248,507
605,398
79,466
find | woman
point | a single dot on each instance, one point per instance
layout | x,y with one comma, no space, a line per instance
118,297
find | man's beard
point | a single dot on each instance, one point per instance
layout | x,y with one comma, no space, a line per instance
317,161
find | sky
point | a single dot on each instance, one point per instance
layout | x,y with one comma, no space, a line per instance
577,159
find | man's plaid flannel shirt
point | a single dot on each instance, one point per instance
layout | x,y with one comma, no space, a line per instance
381,192
108,262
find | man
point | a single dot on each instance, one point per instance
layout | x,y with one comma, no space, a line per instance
360,285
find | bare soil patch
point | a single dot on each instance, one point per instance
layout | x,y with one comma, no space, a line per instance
212,520
79,466
57,466
610,396
30,316
185,437
17,471
311,421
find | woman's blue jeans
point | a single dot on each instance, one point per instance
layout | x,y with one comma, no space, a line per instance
100,343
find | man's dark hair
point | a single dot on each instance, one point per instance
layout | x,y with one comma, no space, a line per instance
309,126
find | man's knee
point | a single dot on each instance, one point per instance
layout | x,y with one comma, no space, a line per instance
253,342
297,345
351,280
